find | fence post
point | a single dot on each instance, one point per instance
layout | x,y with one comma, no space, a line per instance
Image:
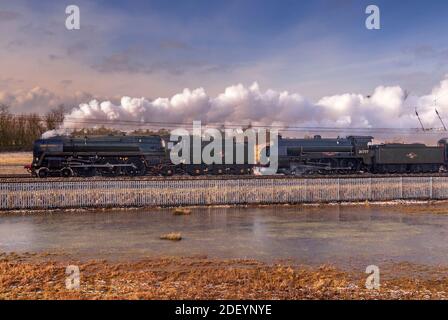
401,187
306,190
339,189
430,187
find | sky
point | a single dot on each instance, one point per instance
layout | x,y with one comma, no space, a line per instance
155,49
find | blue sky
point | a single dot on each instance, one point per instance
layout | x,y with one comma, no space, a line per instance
157,48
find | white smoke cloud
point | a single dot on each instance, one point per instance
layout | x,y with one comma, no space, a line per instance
387,107
55,132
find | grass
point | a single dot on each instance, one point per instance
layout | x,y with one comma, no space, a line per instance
15,158
13,162
201,278
12,170
173,236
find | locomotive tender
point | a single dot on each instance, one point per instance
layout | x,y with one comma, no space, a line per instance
149,155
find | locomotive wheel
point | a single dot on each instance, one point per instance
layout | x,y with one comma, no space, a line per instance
235,171
218,171
179,171
328,166
167,171
351,165
66,172
139,170
194,171
113,171
84,172
240,171
43,172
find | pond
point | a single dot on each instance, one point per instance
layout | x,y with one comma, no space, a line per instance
337,234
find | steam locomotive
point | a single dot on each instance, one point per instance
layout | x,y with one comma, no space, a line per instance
357,154
121,156
149,155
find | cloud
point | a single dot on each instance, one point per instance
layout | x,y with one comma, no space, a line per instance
387,107
39,100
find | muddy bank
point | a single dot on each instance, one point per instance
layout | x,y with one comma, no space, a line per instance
42,276
405,206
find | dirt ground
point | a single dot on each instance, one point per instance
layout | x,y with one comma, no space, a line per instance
13,162
42,276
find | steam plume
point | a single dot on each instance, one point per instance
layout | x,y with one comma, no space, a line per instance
386,107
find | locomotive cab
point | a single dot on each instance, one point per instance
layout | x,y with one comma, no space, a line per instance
443,143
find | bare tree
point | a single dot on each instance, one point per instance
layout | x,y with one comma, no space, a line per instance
55,117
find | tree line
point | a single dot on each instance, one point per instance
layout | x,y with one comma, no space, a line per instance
18,132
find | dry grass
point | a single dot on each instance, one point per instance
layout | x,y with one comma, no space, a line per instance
13,162
12,170
15,158
181,211
173,236
195,278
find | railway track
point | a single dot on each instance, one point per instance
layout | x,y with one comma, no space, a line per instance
28,178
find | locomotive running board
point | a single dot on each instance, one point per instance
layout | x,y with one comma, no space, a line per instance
103,166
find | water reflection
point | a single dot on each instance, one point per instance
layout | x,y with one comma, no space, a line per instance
324,234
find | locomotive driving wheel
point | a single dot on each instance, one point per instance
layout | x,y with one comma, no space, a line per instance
194,170
167,171
350,165
136,168
112,170
217,170
326,165
66,172
43,172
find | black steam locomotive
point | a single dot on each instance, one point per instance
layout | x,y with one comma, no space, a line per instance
121,156
91,156
357,154
149,155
